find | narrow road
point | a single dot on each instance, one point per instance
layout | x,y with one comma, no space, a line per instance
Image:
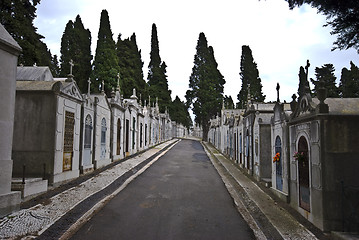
180,196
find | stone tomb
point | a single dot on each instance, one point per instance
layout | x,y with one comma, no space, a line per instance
323,177
117,119
47,127
280,150
9,52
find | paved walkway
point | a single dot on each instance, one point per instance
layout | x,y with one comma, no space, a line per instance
285,224
35,220
267,219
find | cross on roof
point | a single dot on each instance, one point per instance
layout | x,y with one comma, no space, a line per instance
118,81
71,65
277,88
88,87
103,86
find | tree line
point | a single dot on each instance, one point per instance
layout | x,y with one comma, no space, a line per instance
113,61
122,60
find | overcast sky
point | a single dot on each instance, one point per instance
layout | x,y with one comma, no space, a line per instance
281,39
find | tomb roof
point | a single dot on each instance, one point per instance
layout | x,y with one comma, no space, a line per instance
7,40
341,106
35,85
34,74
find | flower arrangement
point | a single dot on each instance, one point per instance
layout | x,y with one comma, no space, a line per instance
276,158
299,156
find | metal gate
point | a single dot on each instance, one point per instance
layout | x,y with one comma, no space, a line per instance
87,141
68,141
103,138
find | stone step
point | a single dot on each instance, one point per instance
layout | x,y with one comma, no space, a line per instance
31,187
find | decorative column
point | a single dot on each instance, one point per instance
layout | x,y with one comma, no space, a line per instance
9,52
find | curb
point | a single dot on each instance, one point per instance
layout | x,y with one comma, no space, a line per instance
280,226
258,233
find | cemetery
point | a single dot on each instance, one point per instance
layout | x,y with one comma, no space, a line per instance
56,129
304,151
52,132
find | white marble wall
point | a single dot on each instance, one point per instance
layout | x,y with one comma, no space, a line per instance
9,51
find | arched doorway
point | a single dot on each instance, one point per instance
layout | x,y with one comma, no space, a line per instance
303,172
103,138
118,149
87,141
278,164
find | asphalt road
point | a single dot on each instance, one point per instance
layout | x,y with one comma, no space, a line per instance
180,196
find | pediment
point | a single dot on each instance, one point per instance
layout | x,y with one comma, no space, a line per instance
304,107
71,89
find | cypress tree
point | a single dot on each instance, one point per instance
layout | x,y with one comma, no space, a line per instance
105,66
17,17
67,48
228,102
157,78
326,75
131,64
206,85
179,113
349,82
250,76
54,67
82,58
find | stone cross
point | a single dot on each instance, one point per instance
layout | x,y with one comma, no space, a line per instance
103,86
118,81
71,65
89,87
277,88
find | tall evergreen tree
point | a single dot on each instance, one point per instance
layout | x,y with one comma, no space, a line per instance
179,113
76,46
17,17
206,85
349,82
55,67
228,102
68,42
250,76
105,66
157,78
131,64
326,75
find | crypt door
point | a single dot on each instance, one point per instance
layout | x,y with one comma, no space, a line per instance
278,164
303,171
68,141
118,150
235,148
127,136
247,149
103,138
87,143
